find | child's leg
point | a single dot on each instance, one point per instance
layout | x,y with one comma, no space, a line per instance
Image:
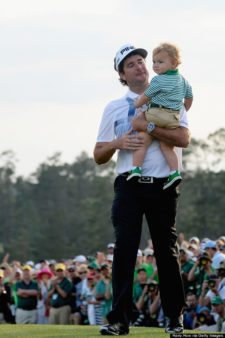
139,155
171,157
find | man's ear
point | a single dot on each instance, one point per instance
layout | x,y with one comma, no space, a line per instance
122,76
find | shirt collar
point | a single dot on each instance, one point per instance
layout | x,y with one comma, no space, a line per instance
171,72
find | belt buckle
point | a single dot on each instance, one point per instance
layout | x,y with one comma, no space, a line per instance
146,179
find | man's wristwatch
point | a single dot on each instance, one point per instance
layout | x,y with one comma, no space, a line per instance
150,127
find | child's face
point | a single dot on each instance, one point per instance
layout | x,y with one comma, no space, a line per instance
162,62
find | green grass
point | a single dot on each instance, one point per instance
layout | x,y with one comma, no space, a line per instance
73,331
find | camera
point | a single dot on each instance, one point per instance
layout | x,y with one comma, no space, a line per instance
211,283
201,318
204,259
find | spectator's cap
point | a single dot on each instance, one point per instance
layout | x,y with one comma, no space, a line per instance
139,253
141,269
4,266
1,273
111,246
93,265
148,252
80,259
203,309
205,255
71,268
109,258
52,262
44,271
31,263
60,266
223,238
210,245
104,266
216,300
195,240
125,51
27,267
193,246
18,271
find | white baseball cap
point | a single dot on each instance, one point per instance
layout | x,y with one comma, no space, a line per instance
124,51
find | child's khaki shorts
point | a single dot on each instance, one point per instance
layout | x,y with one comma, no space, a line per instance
162,117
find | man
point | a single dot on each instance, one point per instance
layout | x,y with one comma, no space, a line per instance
27,293
135,199
60,297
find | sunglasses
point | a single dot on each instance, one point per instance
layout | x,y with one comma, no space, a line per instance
82,272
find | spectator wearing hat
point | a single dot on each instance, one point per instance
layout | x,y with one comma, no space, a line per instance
74,279
80,259
204,319
149,307
217,255
215,286
59,295
200,271
218,310
80,315
27,293
110,248
195,251
194,240
140,282
88,299
44,281
109,260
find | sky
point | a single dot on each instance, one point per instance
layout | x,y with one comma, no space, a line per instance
56,68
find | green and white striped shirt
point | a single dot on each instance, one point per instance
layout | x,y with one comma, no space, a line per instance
169,90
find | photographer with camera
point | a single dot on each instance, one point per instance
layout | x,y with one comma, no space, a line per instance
200,271
215,286
218,312
149,306
204,319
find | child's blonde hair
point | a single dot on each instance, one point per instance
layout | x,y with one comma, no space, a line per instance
172,50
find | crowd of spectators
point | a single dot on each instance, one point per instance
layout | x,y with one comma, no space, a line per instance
78,291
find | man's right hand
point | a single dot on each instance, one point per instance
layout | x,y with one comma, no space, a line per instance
130,141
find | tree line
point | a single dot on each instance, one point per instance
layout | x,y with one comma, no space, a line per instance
63,210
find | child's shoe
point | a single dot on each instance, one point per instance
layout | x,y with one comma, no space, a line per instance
173,180
136,172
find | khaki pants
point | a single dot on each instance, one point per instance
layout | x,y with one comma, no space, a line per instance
60,315
164,118
26,316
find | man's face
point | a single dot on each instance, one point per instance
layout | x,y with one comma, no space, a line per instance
134,70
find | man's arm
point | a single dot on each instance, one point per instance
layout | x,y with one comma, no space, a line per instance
104,151
179,137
